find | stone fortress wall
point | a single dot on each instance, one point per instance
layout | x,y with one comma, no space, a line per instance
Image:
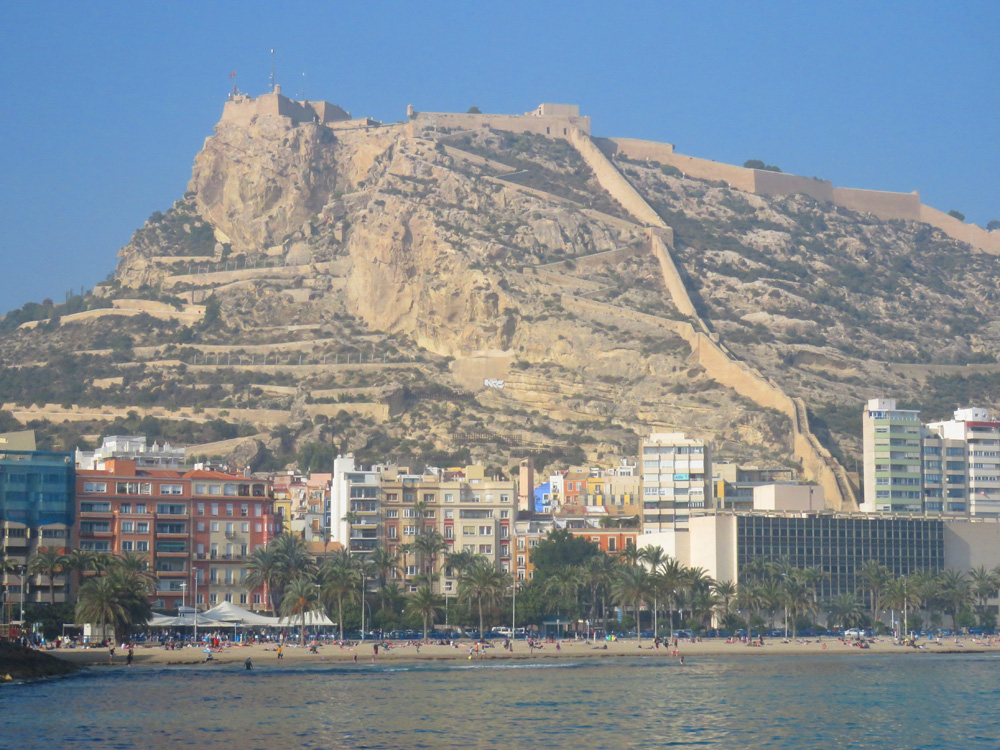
554,120
883,204
719,363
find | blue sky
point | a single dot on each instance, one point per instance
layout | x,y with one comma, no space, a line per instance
108,103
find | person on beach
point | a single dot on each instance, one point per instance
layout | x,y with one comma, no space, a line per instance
128,657
248,664
111,654
279,652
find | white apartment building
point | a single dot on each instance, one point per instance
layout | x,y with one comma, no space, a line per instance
975,433
676,479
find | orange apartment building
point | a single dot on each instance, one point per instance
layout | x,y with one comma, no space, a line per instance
196,528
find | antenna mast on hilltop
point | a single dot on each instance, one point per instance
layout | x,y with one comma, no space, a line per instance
272,70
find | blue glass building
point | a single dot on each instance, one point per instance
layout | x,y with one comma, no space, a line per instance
37,488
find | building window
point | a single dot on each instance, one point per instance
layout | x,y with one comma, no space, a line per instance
229,509
612,544
142,546
449,532
127,527
127,546
485,531
449,497
393,532
95,486
171,489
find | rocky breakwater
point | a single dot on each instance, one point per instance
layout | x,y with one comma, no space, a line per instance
19,663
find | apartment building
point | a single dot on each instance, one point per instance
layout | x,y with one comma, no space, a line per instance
676,478
355,506
971,444
471,512
302,504
36,510
232,516
892,458
950,467
196,528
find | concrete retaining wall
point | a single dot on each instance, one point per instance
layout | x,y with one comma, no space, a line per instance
216,278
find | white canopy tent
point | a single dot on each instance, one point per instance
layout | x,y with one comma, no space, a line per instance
313,619
225,613
229,613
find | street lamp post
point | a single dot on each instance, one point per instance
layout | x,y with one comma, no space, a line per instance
194,603
184,587
362,604
513,607
21,570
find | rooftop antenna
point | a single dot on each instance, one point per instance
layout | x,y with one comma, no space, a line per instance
303,97
272,70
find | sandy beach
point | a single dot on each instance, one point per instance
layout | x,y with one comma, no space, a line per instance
265,656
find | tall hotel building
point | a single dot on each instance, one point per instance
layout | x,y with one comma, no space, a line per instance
676,479
892,460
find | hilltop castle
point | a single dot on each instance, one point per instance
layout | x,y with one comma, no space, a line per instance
564,120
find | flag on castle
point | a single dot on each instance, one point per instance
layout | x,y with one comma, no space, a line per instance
233,74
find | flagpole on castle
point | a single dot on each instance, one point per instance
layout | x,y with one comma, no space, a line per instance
272,70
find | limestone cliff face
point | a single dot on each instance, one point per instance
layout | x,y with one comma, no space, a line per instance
260,183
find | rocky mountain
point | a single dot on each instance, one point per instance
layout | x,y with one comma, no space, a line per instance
442,293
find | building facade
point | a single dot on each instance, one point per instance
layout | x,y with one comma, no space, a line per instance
36,510
196,528
676,478
892,458
838,544
471,512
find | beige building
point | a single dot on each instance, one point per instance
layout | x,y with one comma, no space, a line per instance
471,512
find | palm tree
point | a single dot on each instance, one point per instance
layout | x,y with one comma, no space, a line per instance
984,584
428,546
294,559
597,574
264,570
812,577
339,580
383,562
79,561
670,579
563,584
726,591
796,598
390,597
748,597
47,561
483,584
955,593
301,597
424,602
654,556
118,600
630,555
874,578
461,561
844,610
631,586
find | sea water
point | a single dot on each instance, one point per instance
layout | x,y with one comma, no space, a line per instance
796,702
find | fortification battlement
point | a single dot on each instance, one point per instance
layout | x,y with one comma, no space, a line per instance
241,109
553,120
